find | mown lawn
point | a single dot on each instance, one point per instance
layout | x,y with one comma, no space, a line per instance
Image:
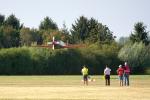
72,88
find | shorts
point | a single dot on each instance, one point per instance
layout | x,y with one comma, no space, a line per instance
107,77
121,77
85,77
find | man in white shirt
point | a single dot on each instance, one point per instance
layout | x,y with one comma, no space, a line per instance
107,71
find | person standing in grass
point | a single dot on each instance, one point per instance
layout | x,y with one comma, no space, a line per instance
107,71
84,72
126,74
120,72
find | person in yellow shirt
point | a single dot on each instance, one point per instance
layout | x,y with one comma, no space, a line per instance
84,72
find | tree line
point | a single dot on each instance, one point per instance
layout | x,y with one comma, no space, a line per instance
15,34
102,48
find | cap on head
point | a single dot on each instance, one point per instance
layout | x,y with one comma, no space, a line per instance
120,66
125,63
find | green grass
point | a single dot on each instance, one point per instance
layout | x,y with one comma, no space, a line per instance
72,88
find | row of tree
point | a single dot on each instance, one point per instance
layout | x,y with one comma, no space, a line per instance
44,61
14,34
102,48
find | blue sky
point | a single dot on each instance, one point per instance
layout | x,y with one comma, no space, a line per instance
119,15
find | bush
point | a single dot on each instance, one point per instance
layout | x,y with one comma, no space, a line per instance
43,61
137,55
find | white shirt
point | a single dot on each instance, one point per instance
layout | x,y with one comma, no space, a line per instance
107,71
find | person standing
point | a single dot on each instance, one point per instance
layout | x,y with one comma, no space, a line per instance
126,74
107,71
84,72
120,72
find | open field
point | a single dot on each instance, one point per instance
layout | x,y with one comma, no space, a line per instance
71,88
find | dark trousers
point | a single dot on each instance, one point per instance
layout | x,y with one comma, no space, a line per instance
107,80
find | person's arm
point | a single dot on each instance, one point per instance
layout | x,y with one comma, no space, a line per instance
81,71
117,71
104,71
129,69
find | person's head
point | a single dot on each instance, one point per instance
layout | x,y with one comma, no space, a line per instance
84,66
120,66
106,66
125,63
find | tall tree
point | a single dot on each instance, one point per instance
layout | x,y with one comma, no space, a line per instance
36,37
64,29
26,36
93,35
80,29
90,30
10,29
14,22
139,34
99,32
48,23
2,19
9,37
66,36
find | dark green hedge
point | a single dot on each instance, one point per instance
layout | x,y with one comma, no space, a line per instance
42,61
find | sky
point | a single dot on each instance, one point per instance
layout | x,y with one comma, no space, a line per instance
119,15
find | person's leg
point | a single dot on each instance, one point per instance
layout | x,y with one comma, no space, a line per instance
105,80
127,80
122,80
86,79
119,80
108,79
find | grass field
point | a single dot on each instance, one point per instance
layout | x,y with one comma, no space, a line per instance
72,88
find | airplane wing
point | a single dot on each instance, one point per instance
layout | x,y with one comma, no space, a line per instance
61,43
49,43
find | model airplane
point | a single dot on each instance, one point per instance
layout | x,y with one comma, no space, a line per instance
60,43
